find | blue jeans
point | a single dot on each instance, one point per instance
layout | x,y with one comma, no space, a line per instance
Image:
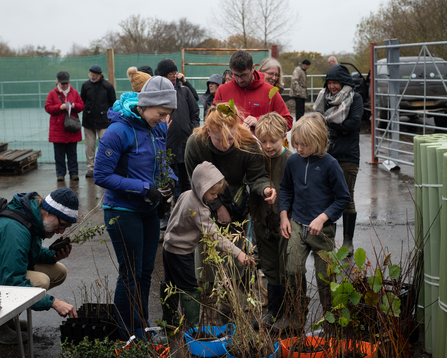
135,239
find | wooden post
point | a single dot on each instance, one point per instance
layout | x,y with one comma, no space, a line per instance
111,66
274,51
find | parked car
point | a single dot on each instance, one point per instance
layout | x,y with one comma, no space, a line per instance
362,88
424,72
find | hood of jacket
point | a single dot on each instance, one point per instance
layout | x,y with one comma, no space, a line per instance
340,74
30,207
124,106
204,176
216,78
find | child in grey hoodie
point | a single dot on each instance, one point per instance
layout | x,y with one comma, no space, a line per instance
191,216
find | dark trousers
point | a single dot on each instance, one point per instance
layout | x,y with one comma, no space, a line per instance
299,107
272,251
350,170
183,179
180,270
135,237
60,151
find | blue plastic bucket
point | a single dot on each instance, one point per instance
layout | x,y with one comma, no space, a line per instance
209,348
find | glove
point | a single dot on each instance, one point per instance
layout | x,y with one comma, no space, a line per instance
168,190
153,196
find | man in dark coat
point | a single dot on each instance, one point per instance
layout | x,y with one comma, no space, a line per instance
98,95
184,119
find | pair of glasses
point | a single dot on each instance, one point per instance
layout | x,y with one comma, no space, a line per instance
271,74
242,77
61,226
172,74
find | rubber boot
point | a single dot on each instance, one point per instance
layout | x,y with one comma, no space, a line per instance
274,303
23,325
282,321
169,306
9,336
348,231
190,303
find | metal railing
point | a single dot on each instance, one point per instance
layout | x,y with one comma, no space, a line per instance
409,99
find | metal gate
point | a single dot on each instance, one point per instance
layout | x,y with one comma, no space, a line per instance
409,98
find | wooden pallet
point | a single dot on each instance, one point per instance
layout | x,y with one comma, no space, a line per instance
3,147
18,161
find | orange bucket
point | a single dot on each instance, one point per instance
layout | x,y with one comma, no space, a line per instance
312,341
365,347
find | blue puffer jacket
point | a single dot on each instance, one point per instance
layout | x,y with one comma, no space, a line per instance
125,163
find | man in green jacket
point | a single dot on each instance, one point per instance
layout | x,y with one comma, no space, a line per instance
23,260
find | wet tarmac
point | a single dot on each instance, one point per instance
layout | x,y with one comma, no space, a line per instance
385,219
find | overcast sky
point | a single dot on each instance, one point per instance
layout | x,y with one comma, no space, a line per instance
325,26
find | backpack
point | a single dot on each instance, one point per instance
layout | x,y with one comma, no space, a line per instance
16,215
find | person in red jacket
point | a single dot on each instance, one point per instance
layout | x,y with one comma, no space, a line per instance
250,92
57,105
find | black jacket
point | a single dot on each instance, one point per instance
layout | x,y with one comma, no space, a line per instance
184,119
344,138
98,97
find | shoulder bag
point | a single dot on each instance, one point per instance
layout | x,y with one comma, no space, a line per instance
71,124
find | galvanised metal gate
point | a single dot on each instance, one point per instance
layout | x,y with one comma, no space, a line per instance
409,98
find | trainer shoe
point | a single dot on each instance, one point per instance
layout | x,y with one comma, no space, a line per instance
74,177
60,178
89,174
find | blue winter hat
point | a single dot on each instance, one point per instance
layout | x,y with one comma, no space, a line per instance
96,69
63,203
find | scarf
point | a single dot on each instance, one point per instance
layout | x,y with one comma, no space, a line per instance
339,104
64,92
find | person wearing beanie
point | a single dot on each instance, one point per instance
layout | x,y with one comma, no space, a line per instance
298,88
62,100
98,95
211,88
146,69
137,79
128,168
342,108
184,120
25,222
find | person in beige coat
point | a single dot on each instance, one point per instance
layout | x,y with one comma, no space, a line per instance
190,218
298,88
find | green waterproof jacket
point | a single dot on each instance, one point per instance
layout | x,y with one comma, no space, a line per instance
19,251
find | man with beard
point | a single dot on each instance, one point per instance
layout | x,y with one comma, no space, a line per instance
24,223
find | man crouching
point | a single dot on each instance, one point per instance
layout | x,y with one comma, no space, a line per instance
25,222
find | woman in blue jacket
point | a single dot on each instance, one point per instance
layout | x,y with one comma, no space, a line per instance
127,168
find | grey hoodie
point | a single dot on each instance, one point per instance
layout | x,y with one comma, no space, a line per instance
184,229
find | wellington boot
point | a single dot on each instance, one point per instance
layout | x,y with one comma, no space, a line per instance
274,303
9,336
23,325
190,303
348,231
169,306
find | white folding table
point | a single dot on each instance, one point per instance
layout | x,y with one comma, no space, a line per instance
14,300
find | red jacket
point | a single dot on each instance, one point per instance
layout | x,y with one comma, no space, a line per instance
58,134
254,99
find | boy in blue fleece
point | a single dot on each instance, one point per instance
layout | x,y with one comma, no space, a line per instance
314,189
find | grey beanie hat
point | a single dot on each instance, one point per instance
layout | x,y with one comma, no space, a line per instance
158,91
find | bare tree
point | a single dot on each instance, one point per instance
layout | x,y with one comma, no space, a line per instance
275,18
5,50
238,19
410,21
